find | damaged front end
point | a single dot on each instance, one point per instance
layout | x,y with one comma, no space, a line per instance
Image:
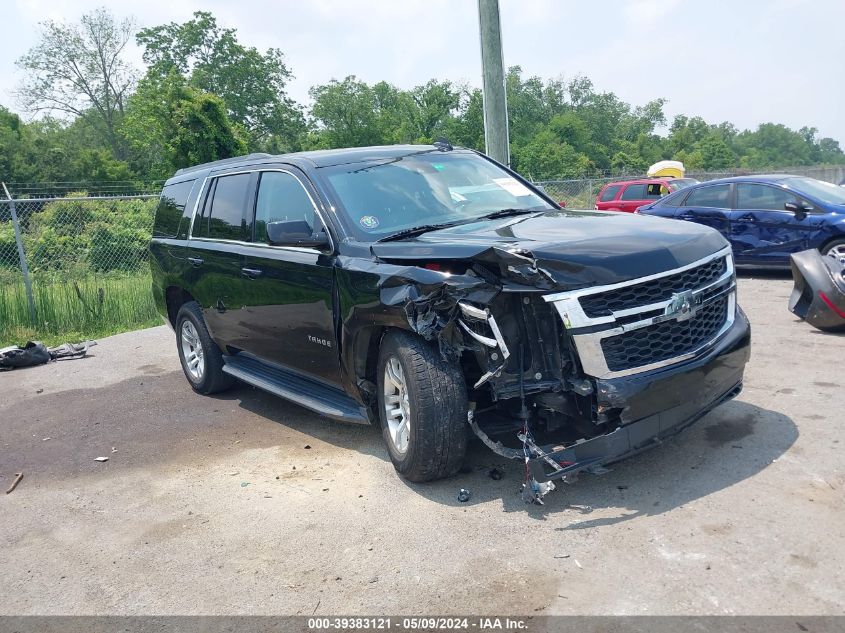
570,377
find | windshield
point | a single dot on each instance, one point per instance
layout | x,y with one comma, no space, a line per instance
681,183
425,188
825,191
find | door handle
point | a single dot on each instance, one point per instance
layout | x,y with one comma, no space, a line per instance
195,261
250,273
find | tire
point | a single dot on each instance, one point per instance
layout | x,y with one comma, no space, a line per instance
201,359
834,246
435,407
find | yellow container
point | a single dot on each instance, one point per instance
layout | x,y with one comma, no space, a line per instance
667,169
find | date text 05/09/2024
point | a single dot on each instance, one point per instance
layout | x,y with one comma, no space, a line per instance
417,623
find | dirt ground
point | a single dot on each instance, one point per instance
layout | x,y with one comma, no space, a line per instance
247,504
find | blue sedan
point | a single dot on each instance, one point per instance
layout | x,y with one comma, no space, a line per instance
765,218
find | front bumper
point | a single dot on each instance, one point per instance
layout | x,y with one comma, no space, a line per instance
656,405
819,293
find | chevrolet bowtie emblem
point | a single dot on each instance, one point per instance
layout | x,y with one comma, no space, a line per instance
681,306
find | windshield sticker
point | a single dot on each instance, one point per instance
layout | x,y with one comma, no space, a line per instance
513,186
369,222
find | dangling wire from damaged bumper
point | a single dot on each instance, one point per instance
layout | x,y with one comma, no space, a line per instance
471,312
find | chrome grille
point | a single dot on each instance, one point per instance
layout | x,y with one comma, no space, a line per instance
650,322
652,291
664,340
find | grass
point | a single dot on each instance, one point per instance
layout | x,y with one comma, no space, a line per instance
75,310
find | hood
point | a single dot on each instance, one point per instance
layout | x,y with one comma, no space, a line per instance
568,248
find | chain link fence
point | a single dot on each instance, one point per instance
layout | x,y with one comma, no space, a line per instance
74,266
581,193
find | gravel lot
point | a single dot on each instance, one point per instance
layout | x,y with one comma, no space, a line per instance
247,504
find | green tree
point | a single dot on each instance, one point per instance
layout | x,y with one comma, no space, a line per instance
79,69
572,129
11,131
830,152
773,145
346,113
546,156
686,132
528,111
204,132
170,125
251,83
466,126
715,153
435,102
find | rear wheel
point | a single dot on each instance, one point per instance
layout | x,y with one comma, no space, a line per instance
201,359
422,408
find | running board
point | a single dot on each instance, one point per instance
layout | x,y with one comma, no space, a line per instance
308,393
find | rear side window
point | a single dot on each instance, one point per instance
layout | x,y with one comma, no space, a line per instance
749,196
716,197
609,193
281,198
634,192
171,208
224,215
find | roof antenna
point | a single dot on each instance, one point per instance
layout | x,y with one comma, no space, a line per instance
443,144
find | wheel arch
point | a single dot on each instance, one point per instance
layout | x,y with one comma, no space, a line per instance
174,298
832,240
365,349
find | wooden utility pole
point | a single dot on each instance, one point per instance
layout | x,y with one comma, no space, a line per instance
493,74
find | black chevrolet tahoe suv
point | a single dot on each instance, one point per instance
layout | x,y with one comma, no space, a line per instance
434,292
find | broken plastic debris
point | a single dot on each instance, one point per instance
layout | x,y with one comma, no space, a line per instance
101,459
17,480
464,495
533,491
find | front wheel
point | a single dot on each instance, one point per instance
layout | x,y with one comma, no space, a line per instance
422,407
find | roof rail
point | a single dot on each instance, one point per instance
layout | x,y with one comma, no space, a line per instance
223,161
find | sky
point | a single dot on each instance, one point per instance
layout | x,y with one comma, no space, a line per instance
745,61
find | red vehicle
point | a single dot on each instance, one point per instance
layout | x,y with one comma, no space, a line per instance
628,195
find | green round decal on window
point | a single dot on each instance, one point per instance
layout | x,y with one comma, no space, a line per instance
369,222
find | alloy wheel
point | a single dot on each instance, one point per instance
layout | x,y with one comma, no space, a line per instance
397,409
192,351
837,251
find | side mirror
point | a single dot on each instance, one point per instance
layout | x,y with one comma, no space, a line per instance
295,233
798,208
